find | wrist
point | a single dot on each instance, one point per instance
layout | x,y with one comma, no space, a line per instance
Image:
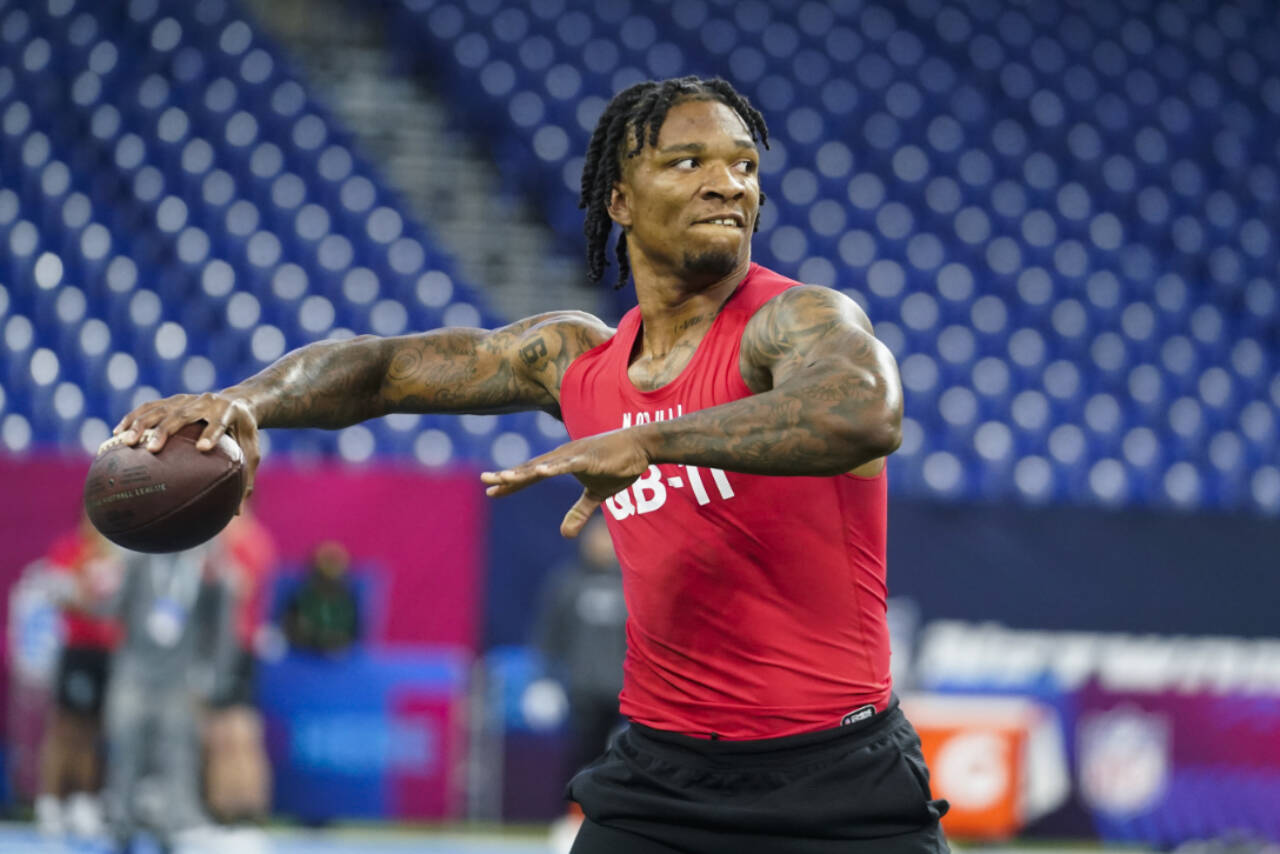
650,439
245,402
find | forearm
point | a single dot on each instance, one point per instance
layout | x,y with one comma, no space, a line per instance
826,425
326,384
334,384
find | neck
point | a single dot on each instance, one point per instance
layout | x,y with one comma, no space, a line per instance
672,305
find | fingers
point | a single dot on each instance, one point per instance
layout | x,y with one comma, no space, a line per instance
579,514
153,422
143,422
171,423
137,422
213,431
512,480
157,420
506,482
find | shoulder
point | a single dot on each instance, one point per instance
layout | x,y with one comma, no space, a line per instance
547,344
802,306
576,327
792,321
769,295
557,335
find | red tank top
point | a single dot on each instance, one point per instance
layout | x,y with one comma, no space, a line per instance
756,604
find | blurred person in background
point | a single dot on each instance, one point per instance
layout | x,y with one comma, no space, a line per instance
757,677
177,637
237,774
581,630
86,570
323,614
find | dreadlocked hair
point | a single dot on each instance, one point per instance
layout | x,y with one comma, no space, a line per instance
639,112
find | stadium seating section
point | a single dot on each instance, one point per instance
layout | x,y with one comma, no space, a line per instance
1060,216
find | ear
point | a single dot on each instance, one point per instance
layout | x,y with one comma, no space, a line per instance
620,206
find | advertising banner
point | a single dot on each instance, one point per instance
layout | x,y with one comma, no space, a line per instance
376,734
1167,738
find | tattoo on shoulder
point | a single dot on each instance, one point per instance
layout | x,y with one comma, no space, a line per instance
534,351
548,348
789,327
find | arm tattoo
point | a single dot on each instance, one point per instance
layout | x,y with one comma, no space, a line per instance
533,351
334,384
554,345
827,396
456,370
325,384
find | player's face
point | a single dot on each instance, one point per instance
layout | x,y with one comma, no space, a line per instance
689,203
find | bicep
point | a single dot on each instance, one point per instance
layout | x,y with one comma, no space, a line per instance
475,370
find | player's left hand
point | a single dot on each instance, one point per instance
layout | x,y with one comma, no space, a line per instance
603,464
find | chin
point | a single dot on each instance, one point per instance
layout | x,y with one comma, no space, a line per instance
711,263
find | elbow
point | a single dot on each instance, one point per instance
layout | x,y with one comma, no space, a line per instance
882,436
891,426
885,442
873,416
885,423
878,434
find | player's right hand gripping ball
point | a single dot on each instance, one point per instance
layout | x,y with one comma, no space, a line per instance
167,501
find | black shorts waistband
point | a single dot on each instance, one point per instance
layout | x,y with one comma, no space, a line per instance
786,748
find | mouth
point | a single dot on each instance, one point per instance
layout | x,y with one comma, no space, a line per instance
724,220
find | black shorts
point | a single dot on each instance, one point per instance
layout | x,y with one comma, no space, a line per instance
858,789
82,679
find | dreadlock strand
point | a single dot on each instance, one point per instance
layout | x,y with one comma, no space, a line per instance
599,174
624,262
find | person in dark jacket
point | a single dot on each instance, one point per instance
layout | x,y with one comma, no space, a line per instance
581,631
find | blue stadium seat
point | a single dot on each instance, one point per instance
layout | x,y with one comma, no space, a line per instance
1063,239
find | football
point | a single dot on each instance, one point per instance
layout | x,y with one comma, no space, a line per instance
166,501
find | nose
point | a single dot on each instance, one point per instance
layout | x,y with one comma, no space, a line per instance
723,183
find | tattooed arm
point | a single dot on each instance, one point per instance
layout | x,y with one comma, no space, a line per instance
828,400
336,383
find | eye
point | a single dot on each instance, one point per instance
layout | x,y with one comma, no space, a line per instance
747,167
685,163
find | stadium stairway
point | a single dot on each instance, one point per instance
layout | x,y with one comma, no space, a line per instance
447,177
